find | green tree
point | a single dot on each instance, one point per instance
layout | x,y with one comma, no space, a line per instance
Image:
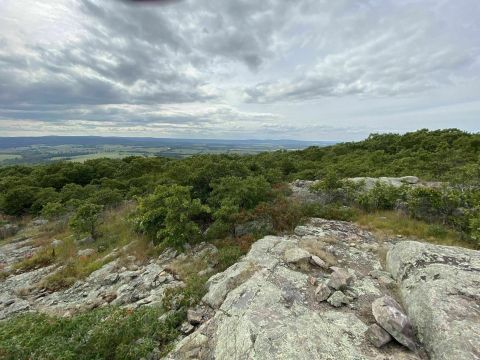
17,201
53,210
106,196
86,219
170,216
243,193
44,196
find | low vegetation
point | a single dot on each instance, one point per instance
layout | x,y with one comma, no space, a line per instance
393,223
107,333
152,203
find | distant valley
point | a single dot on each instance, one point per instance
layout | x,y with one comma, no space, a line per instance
33,150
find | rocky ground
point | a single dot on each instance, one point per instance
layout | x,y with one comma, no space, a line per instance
329,291
324,293
123,281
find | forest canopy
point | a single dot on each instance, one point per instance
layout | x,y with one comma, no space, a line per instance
220,189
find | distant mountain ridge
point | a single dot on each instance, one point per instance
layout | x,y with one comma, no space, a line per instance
14,142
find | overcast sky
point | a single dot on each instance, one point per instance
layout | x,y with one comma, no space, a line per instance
303,69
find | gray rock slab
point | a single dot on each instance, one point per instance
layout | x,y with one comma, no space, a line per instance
440,289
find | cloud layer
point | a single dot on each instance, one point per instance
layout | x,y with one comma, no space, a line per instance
216,68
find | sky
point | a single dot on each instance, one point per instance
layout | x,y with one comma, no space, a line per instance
244,69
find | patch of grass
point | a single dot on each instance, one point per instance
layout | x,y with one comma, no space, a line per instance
188,267
181,298
331,212
316,247
41,258
228,255
74,270
116,230
391,223
107,333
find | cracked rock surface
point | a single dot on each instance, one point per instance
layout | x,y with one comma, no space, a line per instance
440,289
122,282
265,306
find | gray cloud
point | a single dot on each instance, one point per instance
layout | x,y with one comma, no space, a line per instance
217,67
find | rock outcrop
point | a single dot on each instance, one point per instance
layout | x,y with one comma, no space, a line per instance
122,281
321,293
267,305
440,288
301,188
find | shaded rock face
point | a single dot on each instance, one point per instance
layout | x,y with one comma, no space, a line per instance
268,307
440,288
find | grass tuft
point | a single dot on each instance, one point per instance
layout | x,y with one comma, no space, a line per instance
106,333
393,223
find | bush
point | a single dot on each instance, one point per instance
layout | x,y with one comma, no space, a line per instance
424,203
242,193
53,210
169,215
86,219
380,197
284,213
17,201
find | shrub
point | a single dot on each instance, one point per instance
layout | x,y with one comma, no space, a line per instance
86,219
168,216
53,210
243,193
17,201
284,213
380,197
424,203
106,197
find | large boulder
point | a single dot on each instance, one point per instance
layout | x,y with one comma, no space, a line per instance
440,288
